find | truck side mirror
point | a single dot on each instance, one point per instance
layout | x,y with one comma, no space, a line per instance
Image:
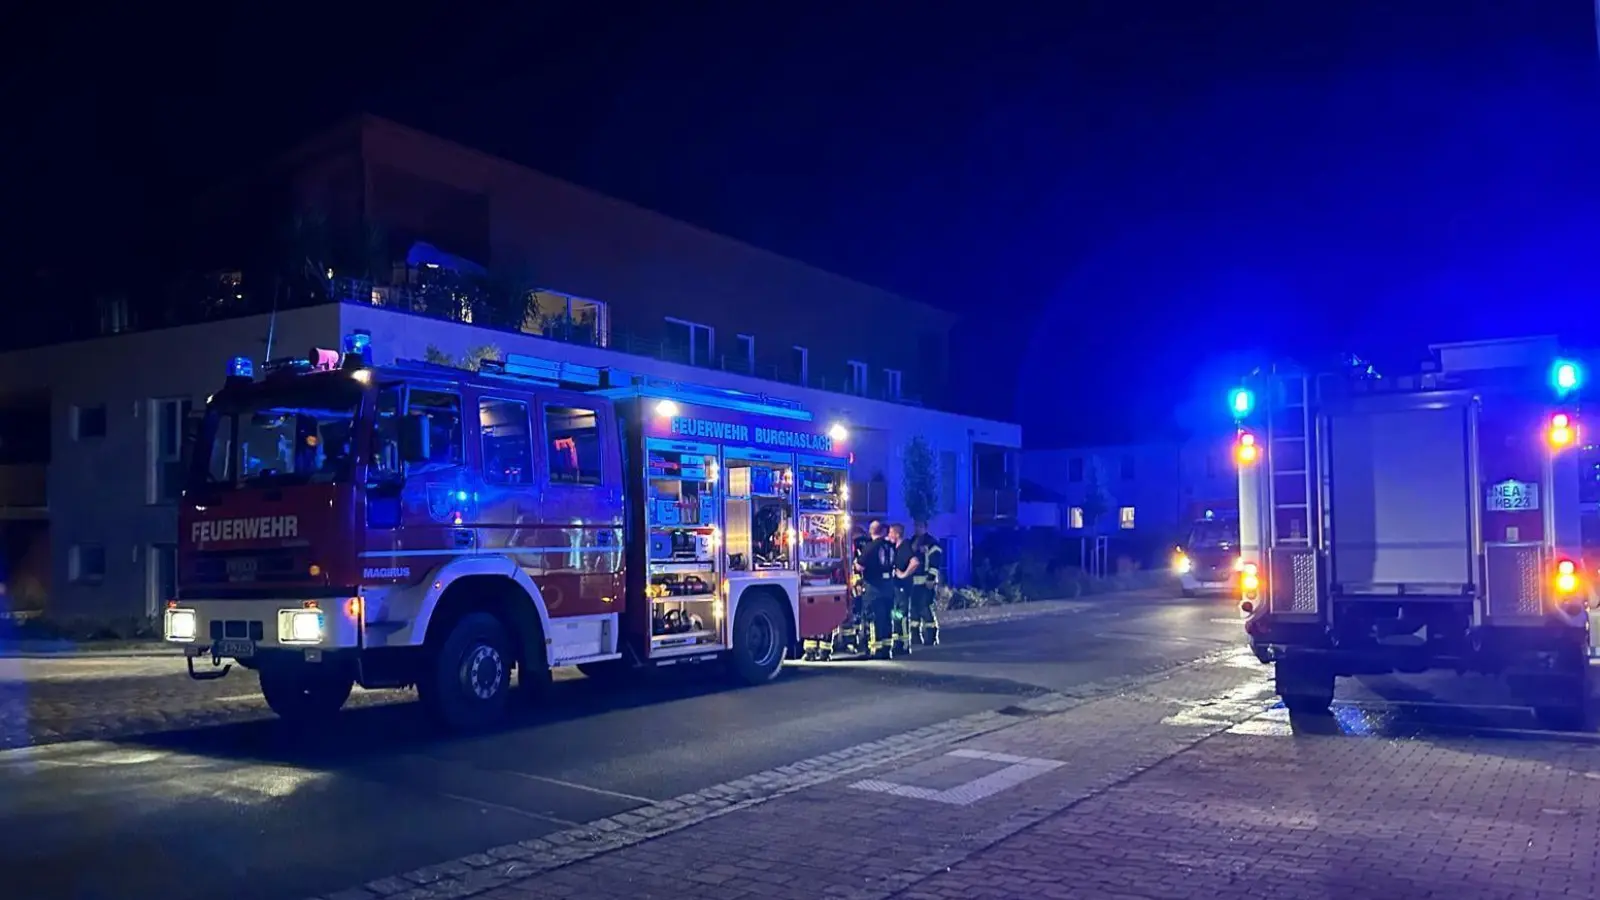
414,431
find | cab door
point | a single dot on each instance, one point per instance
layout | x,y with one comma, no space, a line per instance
579,536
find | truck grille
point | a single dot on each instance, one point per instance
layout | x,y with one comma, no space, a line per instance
247,567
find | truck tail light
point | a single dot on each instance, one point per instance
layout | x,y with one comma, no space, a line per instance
1563,431
1566,577
1245,451
1249,579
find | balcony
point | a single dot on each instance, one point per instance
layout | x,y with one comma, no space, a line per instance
574,320
994,506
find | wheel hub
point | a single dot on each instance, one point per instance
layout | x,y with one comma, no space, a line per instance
483,672
762,638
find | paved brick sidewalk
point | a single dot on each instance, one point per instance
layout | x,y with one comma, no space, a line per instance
1179,787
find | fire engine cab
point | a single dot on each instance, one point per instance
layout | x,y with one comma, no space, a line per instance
1424,522
423,525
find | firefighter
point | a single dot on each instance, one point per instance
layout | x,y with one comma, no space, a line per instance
924,587
877,593
907,567
852,636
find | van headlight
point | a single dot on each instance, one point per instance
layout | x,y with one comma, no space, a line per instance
300,626
180,625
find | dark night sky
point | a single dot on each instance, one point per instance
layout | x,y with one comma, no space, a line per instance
1138,196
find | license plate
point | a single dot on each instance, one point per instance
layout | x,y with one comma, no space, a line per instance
234,649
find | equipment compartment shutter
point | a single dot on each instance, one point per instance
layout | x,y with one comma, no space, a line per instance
1399,496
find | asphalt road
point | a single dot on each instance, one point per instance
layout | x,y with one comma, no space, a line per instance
254,810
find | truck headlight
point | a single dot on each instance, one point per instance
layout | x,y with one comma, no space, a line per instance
300,626
180,625
1183,564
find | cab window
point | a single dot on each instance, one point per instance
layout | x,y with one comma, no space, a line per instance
385,461
572,442
507,452
443,410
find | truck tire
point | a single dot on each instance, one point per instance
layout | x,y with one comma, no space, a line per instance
466,682
1306,685
760,640
304,695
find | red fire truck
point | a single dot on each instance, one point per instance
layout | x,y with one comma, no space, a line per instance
422,525
1424,522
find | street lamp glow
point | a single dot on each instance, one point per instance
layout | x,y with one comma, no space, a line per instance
838,432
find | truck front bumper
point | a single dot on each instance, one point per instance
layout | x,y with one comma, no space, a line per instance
244,630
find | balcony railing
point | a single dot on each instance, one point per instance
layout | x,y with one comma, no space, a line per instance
590,327
993,505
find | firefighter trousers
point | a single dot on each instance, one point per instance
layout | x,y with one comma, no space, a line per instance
880,608
924,621
902,618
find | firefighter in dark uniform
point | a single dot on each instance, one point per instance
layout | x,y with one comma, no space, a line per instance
907,566
924,587
877,593
853,635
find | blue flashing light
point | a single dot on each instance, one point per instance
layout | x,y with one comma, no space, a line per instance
461,496
1566,375
1241,402
357,342
1210,514
241,367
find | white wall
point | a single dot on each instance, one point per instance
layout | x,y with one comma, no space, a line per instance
884,428
98,487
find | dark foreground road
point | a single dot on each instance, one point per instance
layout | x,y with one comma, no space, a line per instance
252,810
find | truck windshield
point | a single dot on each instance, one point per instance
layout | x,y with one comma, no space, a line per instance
1214,534
295,432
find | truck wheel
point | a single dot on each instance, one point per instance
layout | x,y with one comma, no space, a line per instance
301,695
466,684
760,640
1189,592
1306,685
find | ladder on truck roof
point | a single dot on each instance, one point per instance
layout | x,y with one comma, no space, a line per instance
616,383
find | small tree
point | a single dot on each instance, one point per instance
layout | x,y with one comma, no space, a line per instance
475,357
1097,498
1097,501
920,480
437,357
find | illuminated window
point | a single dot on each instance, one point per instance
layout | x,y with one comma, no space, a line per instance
1075,517
572,443
1125,517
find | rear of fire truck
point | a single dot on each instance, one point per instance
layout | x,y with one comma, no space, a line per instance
1424,522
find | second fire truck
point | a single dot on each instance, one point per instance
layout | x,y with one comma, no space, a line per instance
1429,521
421,525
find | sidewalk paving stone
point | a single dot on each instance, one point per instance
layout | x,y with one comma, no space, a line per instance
1157,791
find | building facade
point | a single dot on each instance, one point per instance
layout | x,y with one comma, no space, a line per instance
91,431
1146,491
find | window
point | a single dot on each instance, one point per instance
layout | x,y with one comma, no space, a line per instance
1127,468
443,410
695,339
1075,469
385,463
1125,518
572,438
1075,517
947,480
163,562
747,352
86,563
858,377
114,317
167,418
507,451
893,377
802,365
88,422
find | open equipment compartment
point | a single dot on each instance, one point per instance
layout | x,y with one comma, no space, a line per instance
823,521
760,510
681,508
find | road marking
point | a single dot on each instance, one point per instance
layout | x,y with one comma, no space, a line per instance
581,787
1018,769
510,809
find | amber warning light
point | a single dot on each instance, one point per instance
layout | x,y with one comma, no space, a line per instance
1563,431
1245,451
